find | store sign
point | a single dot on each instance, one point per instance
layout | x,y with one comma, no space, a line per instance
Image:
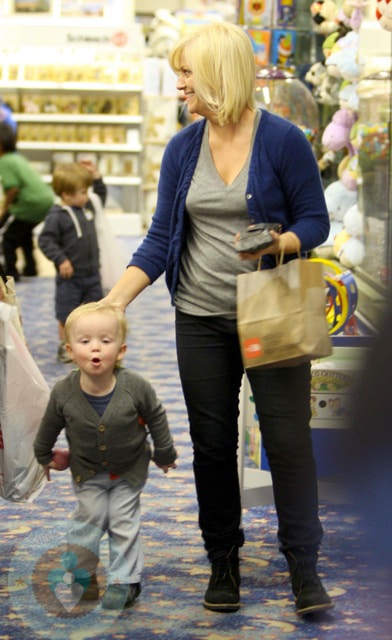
59,36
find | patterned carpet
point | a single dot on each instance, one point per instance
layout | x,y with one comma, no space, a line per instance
176,572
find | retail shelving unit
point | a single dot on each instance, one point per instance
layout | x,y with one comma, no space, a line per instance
81,98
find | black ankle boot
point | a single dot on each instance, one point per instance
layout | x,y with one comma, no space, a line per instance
310,595
223,593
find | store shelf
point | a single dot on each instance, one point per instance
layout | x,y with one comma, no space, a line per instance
49,133
78,92
91,87
115,181
78,146
77,118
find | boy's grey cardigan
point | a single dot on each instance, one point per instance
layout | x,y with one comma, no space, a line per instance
117,441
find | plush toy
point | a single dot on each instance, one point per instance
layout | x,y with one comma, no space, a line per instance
348,95
328,92
353,222
349,175
344,60
336,134
316,74
348,244
345,64
339,199
324,87
351,13
324,13
164,32
384,14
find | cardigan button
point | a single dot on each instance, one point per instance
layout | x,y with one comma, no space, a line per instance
104,463
101,428
102,447
249,196
78,478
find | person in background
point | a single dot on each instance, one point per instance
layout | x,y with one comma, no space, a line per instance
68,238
233,167
109,464
27,199
6,116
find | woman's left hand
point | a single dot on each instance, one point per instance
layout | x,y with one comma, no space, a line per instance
287,242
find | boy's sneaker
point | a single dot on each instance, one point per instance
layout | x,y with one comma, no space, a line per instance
223,592
62,355
310,595
120,596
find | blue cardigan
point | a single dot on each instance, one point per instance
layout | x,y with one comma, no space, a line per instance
284,186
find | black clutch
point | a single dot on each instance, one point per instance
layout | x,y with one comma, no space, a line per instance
256,237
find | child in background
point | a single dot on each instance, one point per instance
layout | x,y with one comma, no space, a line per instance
69,240
105,411
27,199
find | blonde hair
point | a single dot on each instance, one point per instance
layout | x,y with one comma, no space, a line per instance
68,178
221,58
96,307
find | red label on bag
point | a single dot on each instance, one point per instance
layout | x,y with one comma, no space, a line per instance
252,348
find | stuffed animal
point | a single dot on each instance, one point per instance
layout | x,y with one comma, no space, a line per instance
348,244
339,199
344,60
336,134
324,87
324,13
348,95
351,13
384,14
164,32
349,175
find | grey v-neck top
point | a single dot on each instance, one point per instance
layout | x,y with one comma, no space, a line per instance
215,213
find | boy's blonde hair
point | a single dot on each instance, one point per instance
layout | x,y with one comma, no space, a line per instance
221,57
96,307
70,177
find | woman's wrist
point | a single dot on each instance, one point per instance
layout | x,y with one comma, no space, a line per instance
289,243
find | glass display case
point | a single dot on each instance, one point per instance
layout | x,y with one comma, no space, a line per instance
375,168
279,91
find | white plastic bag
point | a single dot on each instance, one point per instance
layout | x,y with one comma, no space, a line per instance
112,261
24,395
9,296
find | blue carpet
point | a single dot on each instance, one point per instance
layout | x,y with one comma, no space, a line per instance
176,571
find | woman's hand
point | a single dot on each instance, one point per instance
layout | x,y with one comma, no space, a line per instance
287,242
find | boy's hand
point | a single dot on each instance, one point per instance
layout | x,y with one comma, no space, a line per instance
59,462
165,467
91,168
66,269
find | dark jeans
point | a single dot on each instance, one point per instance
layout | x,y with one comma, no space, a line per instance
211,371
71,292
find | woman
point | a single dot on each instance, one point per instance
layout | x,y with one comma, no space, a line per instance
231,168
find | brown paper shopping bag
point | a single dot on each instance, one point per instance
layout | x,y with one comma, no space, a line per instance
281,315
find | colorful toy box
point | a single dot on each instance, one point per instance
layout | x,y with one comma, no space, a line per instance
261,43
